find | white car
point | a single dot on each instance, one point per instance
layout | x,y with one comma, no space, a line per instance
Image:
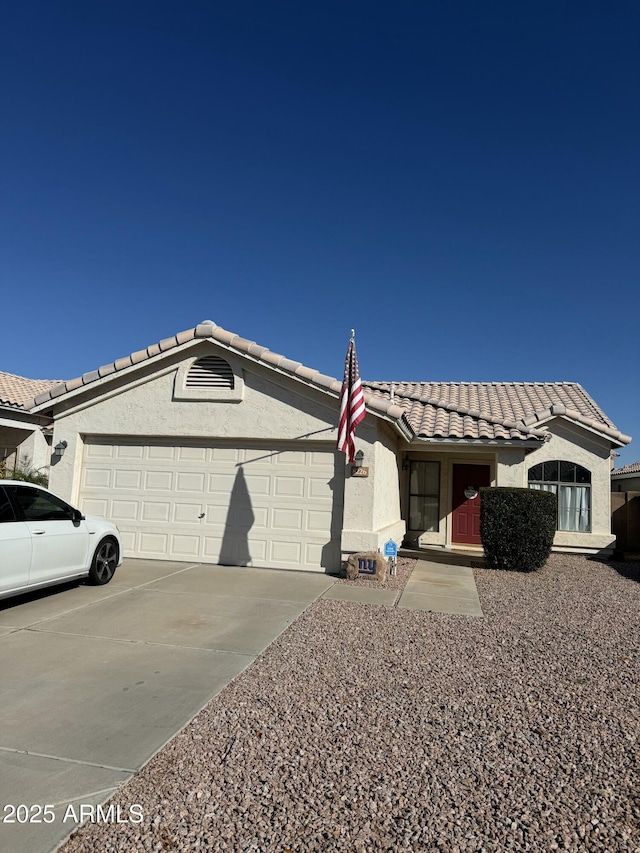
45,541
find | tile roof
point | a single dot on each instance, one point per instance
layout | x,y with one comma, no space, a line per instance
633,468
17,391
233,342
440,410
492,410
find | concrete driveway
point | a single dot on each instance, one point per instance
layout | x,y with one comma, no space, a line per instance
95,680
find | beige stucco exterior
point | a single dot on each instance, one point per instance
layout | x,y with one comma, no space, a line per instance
151,401
574,443
372,513
23,439
510,465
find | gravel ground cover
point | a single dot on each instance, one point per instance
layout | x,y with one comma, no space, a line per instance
367,728
404,567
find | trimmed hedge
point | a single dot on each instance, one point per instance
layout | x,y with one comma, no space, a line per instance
517,527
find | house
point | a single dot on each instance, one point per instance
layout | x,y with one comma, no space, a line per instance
209,447
626,479
23,435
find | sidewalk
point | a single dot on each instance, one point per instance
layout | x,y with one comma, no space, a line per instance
433,586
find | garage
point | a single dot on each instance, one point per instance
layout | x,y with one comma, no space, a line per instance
276,505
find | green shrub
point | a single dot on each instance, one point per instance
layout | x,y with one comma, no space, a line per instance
517,527
25,472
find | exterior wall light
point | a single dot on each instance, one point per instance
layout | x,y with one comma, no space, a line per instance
59,449
358,469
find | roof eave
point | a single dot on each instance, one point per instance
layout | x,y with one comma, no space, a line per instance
614,436
98,379
483,442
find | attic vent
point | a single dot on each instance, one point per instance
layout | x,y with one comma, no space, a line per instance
210,372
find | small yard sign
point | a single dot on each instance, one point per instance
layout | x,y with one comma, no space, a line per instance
390,549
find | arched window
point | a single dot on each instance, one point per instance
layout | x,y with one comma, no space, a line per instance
210,372
572,484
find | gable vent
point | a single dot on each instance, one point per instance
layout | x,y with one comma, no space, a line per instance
210,372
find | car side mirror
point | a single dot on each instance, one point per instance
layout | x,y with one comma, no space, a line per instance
77,516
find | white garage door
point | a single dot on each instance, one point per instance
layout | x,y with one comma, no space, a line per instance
256,505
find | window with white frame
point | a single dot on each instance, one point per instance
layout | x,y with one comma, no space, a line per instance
424,496
572,484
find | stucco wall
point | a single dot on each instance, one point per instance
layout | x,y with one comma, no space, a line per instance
271,407
372,504
282,410
510,466
30,443
465,454
571,443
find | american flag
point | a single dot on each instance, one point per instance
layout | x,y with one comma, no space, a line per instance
351,404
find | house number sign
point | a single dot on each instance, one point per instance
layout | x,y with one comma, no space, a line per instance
470,493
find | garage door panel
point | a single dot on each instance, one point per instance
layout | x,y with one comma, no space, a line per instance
129,451
216,514
187,513
96,506
289,486
99,450
265,505
212,545
190,482
260,518
124,510
296,458
257,485
127,479
192,454
252,455
156,511
159,451
153,544
287,519
96,478
283,551
129,541
158,481
185,546
221,484
318,521
226,454
320,488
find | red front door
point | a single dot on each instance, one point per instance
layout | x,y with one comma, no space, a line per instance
467,480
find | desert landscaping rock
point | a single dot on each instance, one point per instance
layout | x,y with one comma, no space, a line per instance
367,728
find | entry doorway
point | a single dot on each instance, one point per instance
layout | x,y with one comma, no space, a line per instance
467,481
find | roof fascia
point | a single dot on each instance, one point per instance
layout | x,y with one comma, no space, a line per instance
12,415
100,384
586,427
480,442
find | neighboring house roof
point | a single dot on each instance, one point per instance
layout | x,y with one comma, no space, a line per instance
626,470
16,391
436,410
493,410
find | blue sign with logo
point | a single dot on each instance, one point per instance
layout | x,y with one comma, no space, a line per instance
390,549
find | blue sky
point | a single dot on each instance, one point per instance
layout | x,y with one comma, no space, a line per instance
459,181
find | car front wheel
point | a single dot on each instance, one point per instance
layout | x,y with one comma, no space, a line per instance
104,562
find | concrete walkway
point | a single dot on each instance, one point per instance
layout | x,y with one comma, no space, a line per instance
433,587
441,588
95,680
